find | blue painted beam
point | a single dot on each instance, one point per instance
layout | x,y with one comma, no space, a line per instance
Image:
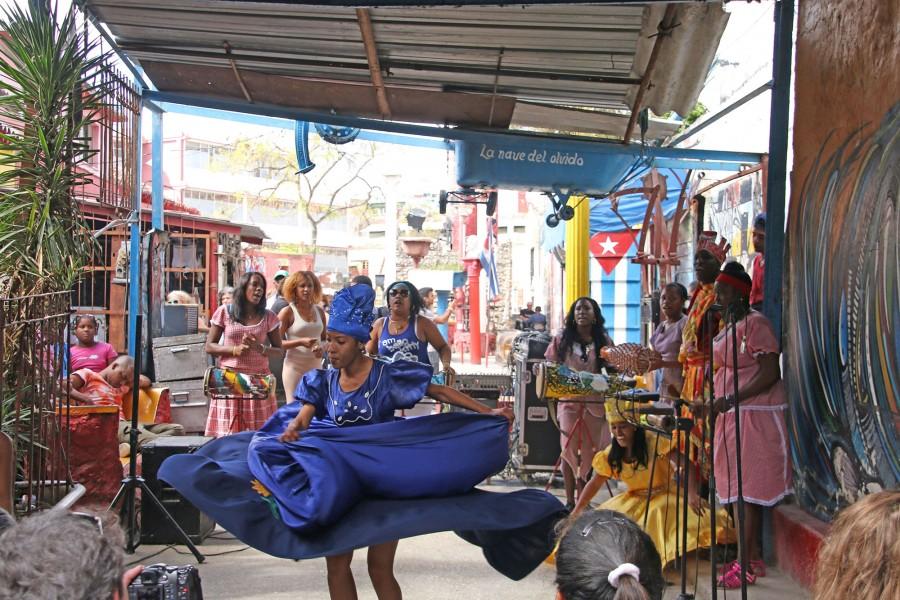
776,184
280,123
157,213
449,133
134,254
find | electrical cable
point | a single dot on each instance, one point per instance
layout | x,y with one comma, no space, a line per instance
149,556
223,553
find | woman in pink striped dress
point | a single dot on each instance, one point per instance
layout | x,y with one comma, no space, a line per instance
766,463
238,334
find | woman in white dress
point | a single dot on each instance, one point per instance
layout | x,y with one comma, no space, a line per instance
302,328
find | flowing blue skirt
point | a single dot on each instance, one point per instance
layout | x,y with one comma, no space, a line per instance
341,488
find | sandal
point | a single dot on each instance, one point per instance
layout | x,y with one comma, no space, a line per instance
732,579
727,566
758,568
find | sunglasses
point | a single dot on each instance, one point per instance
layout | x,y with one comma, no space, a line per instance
402,292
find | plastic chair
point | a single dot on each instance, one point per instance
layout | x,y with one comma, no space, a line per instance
149,404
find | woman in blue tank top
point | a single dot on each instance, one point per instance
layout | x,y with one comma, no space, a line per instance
402,334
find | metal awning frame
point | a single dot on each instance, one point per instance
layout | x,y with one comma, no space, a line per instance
710,160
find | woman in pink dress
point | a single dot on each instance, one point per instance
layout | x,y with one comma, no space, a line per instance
766,464
582,422
237,335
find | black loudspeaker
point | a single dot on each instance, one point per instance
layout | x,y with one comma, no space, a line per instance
154,528
537,448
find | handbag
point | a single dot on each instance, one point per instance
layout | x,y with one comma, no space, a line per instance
226,382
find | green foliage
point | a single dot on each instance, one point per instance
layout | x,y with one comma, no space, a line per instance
698,111
49,96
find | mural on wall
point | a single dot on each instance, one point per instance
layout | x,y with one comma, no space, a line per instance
843,266
730,210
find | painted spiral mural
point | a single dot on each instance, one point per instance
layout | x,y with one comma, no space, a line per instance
842,319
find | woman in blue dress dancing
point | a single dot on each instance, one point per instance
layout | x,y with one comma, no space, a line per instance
349,395
313,482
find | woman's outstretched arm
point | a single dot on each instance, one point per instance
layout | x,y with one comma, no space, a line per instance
443,393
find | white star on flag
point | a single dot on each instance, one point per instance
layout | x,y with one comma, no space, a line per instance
609,246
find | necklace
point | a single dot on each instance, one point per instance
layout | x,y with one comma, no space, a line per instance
397,329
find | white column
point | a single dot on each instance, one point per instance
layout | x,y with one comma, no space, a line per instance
390,238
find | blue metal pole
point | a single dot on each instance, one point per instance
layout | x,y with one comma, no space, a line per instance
156,156
776,184
134,254
443,300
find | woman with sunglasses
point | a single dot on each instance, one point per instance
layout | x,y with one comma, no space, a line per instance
402,334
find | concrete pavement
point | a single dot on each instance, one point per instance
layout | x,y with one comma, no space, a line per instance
439,566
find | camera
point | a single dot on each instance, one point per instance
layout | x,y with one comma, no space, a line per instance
166,583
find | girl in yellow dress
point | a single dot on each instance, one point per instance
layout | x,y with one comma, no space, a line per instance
630,458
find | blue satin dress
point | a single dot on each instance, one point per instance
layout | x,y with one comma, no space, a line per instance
343,486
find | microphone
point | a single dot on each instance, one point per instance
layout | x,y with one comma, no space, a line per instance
716,307
636,396
655,410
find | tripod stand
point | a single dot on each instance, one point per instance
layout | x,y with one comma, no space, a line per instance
578,433
132,483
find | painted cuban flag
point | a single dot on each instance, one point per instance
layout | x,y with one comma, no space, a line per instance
488,262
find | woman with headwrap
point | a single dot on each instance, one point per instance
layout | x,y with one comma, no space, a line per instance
766,466
335,470
699,328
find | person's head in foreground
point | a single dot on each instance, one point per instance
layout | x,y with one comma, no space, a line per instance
860,558
58,555
362,280
605,556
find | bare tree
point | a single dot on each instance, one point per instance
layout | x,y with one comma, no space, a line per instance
337,185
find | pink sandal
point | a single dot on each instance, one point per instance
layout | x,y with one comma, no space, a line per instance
727,567
758,568
731,580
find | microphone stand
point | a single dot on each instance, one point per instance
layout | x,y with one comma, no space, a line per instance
683,425
133,482
742,549
712,475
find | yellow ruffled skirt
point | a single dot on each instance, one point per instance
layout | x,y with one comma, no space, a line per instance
663,526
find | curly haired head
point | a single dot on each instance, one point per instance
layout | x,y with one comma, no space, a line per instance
860,558
292,283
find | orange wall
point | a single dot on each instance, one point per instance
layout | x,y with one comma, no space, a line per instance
842,310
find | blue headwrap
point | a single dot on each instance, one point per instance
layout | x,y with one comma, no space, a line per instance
351,312
760,220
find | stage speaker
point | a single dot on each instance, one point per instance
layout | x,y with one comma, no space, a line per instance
155,529
537,447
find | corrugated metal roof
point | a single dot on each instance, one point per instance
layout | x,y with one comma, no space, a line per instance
460,66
